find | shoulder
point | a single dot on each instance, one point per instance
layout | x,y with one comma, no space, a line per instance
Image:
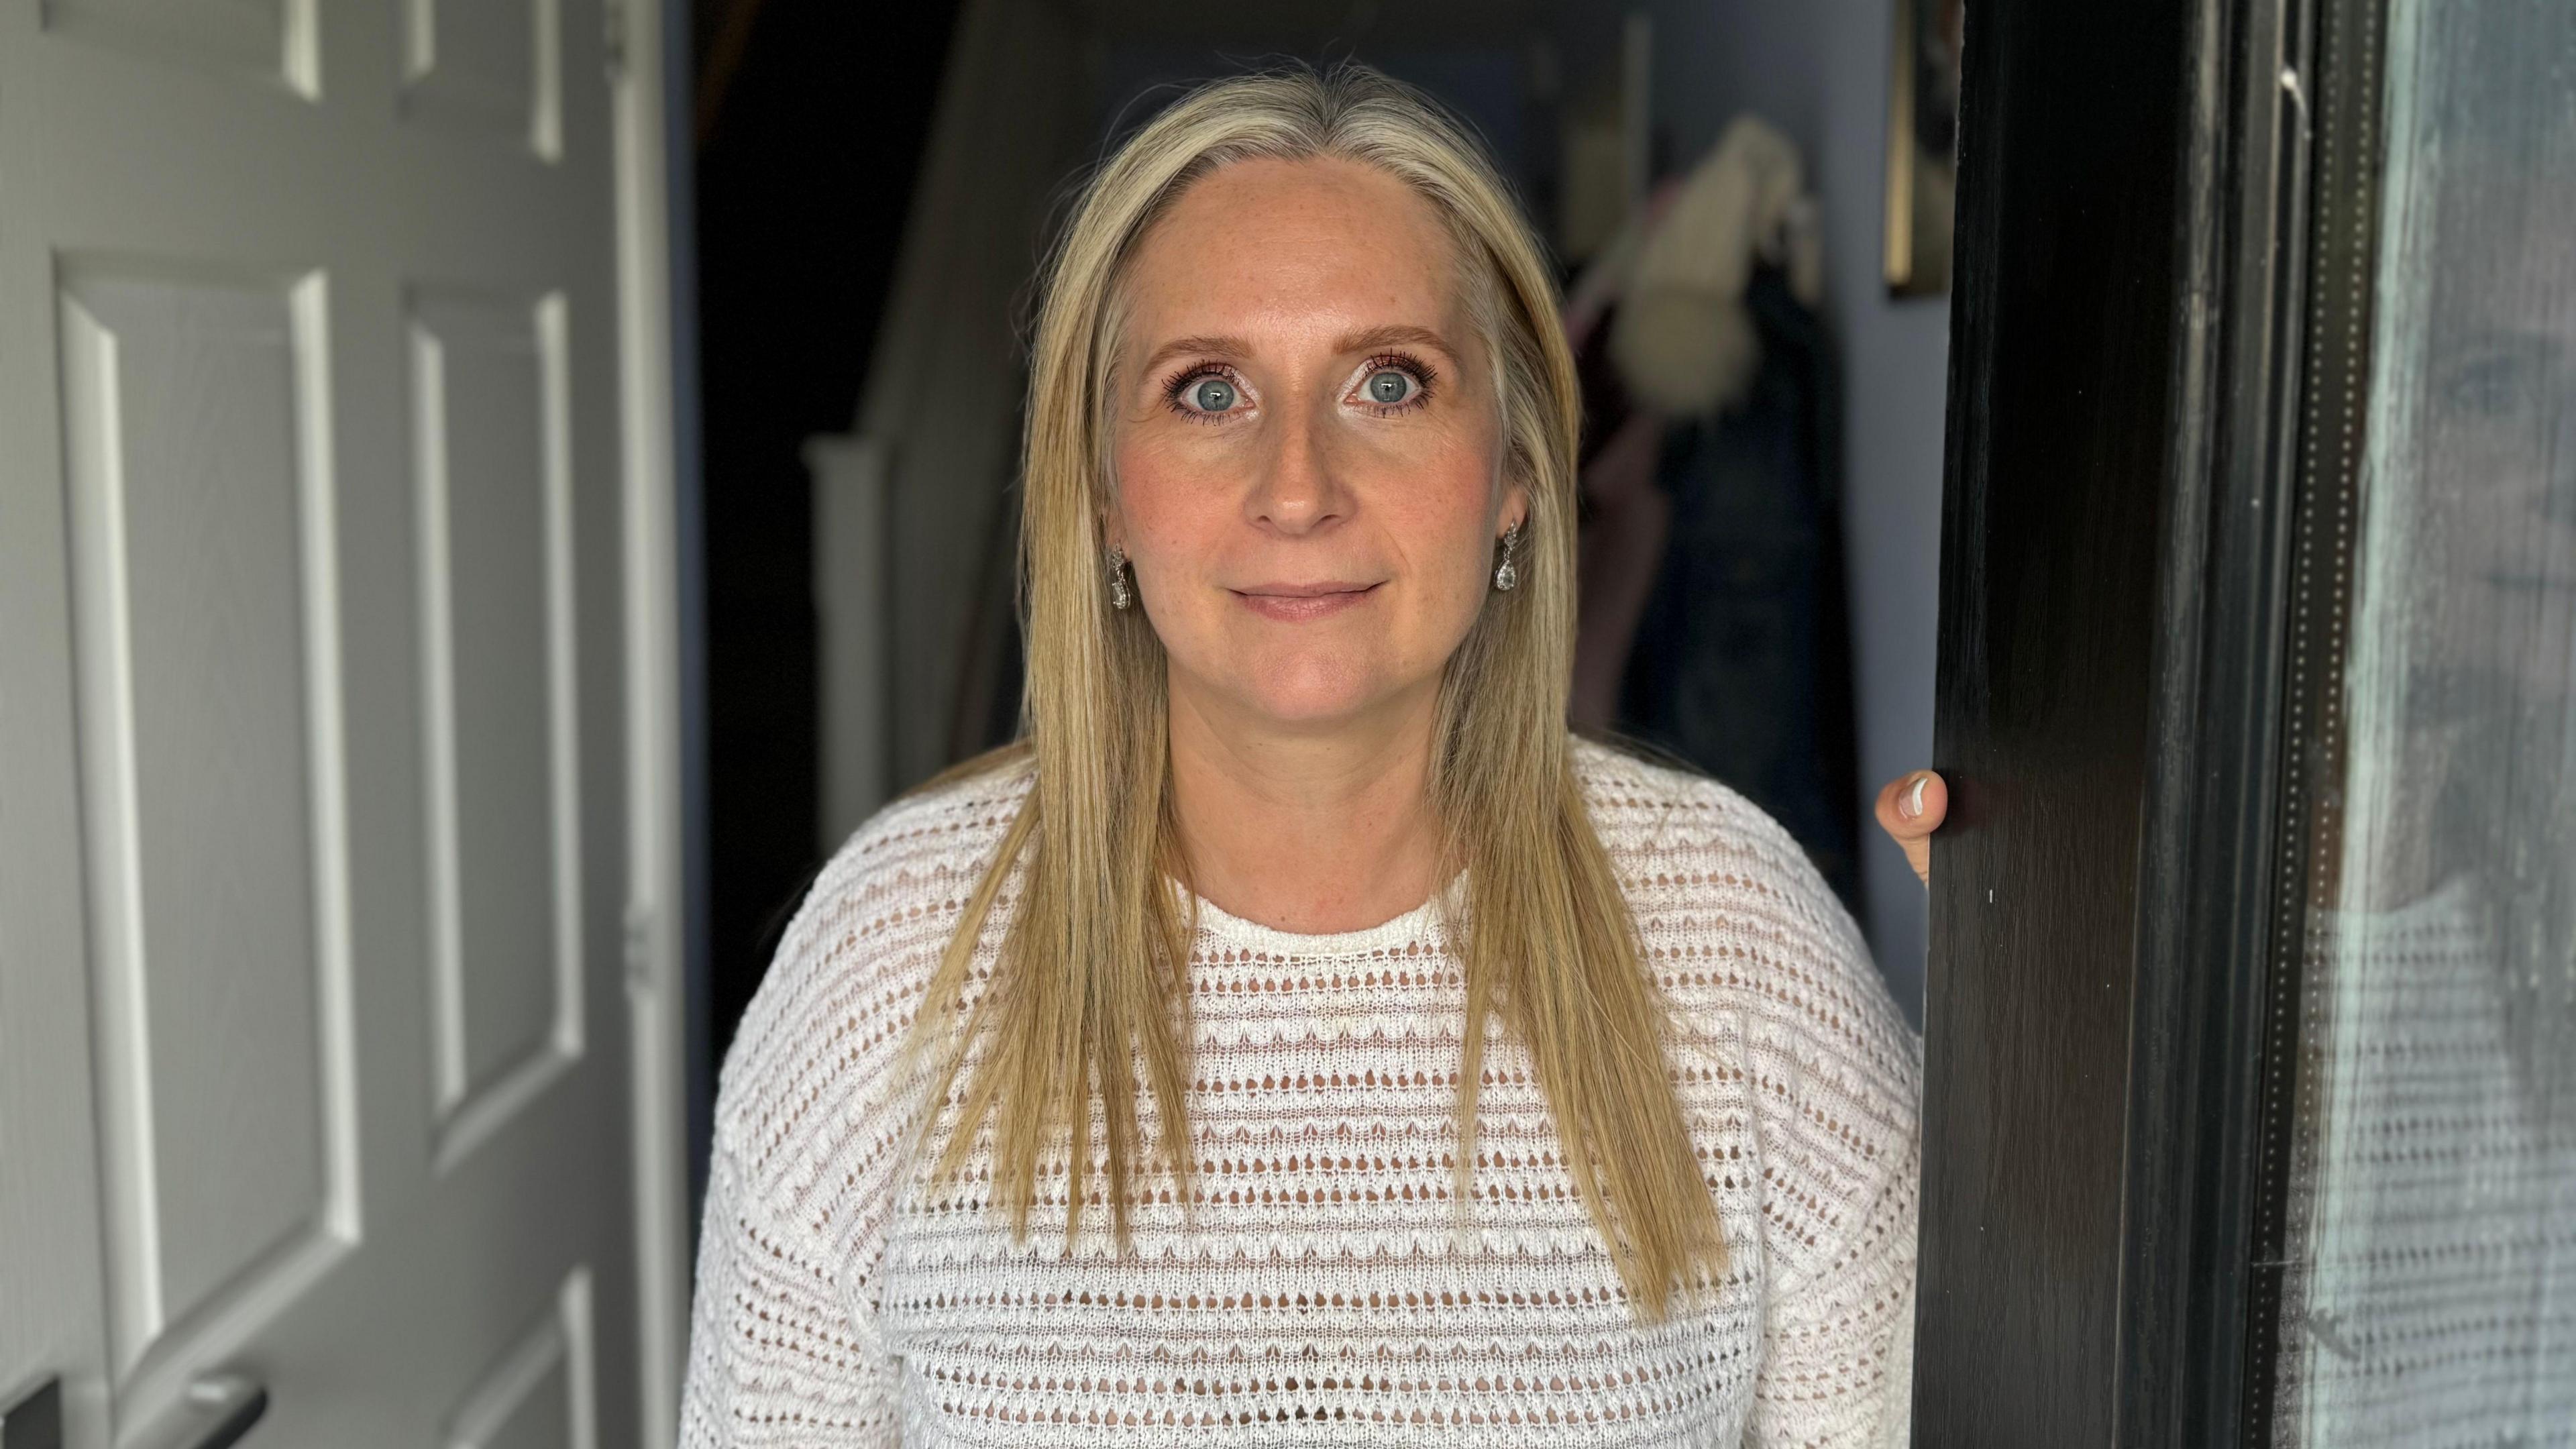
1762,965
1785,1038
1692,851
809,1065
1666,819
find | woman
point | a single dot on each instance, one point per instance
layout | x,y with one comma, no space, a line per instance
1299,1037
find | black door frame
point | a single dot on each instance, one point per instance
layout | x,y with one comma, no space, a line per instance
2139,502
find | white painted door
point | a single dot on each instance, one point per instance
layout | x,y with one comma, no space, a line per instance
314,717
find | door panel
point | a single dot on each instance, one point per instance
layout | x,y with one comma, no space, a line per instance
485,67
268,40
497,592
538,1395
314,847
211,802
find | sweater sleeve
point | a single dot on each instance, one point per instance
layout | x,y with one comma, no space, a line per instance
1787,1022
774,1356
1840,1105
785,1343
1838,1349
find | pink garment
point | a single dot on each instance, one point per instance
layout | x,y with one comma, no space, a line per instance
1622,549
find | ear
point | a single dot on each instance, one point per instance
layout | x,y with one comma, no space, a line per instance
1516,509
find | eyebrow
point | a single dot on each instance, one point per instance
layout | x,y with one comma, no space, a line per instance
1366,340
1178,346
1377,337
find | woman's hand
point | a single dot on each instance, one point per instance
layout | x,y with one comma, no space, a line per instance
1910,808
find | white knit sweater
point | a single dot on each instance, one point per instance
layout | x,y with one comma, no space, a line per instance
1325,1293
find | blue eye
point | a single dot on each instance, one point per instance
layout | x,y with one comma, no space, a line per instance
1213,395
1390,386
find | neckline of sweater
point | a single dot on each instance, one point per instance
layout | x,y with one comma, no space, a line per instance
1425,926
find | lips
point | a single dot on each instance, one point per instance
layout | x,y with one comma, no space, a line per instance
1294,602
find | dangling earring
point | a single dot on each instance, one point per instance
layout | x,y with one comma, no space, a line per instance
1119,598
1506,577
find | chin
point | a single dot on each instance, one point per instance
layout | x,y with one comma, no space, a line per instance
1311,690
1309,710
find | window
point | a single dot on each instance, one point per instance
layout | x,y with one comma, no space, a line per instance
2427,1202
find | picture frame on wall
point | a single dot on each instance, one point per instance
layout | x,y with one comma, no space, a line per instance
1922,144
1604,163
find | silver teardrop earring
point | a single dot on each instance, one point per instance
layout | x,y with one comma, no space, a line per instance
1506,577
1119,597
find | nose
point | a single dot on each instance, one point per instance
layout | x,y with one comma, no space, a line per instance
1297,487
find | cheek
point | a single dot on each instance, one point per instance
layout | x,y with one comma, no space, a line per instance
1445,511
1162,500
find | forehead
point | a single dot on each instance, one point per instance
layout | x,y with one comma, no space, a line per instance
1265,246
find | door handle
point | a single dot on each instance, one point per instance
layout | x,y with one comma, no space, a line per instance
232,1404
218,1410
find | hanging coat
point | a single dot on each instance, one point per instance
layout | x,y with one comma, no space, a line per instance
1742,662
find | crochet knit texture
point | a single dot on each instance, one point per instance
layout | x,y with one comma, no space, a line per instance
1326,1292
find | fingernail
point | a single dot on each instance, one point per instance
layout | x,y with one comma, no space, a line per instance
1914,797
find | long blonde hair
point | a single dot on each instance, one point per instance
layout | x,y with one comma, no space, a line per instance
1088,990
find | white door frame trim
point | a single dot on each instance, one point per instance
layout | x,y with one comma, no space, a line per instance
656,926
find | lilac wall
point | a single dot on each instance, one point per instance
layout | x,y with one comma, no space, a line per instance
1819,71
